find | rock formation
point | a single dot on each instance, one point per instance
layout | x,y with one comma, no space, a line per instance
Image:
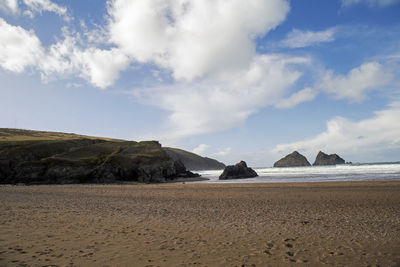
295,159
193,161
238,171
325,159
86,160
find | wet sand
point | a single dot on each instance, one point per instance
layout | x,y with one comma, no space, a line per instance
302,224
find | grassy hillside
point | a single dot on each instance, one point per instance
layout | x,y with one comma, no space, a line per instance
7,134
86,161
193,161
38,157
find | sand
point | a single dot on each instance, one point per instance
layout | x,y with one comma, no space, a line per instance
303,224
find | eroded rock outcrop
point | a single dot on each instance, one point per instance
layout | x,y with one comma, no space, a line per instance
238,171
325,159
295,159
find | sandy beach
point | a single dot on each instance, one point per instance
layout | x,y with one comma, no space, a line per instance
302,224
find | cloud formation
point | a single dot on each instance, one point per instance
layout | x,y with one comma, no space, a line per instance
210,49
307,94
297,38
201,149
205,151
9,5
30,7
354,86
222,153
226,100
374,135
193,38
102,67
19,48
38,6
371,3
206,48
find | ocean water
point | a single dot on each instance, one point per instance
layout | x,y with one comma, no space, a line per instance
347,172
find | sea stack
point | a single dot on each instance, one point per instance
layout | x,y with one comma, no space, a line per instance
295,159
238,171
325,159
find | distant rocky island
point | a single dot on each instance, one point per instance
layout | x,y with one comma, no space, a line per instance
36,157
325,159
295,159
237,171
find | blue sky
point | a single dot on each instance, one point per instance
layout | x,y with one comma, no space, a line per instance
232,80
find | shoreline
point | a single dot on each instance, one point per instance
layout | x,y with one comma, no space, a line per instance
193,181
279,224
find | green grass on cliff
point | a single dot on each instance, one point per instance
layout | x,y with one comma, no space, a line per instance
7,134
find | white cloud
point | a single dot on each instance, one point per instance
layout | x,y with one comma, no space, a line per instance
353,86
193,38
38,6
9,5
45,5
223,152
204,150
297,38
34,6
226,100
371,3
175,35
209,48
19,48
353,139
307,94
102,67
201,149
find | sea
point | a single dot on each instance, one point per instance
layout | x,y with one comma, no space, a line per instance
345,172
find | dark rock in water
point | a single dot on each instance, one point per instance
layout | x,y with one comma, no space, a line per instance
295,159
87,161
238,171
181,171
193,161
325,159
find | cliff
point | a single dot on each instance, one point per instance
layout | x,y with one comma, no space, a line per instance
65,159
325,159
193,161
295,159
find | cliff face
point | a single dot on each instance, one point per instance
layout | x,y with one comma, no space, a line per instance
295,159
86,161
238,171
325,159
193,161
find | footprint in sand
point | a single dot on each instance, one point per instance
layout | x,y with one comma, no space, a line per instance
270,245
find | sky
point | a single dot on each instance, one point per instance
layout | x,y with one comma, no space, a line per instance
227,79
